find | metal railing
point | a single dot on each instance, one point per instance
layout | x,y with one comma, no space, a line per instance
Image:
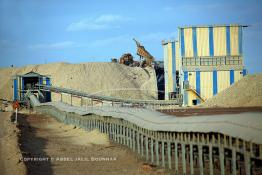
189,87
212,61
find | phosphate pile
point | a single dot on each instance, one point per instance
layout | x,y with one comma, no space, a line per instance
109,79
244,93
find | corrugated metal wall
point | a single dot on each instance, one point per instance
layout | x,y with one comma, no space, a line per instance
19,83
238,75
240,37
22,84
211,83
223,80
188,37
166,70
171,64
192,79
170,67
219,34
202,41
234,40
181,41
232,76
214,82
15,90
211,41
48,94
177,55
192,82
206,84
185,93
19,87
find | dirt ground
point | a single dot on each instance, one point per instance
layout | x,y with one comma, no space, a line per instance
64,149
41,145
9,148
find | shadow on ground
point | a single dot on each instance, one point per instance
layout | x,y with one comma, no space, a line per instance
32,146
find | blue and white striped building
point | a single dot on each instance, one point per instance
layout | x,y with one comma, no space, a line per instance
208,59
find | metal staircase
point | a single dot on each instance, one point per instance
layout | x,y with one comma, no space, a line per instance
192,89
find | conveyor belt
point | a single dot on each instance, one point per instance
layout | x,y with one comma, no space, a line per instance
156,136
246,126
177,101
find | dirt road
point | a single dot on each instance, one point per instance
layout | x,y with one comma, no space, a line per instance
62,149
9,148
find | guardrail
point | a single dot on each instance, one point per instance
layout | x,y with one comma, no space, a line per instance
212,61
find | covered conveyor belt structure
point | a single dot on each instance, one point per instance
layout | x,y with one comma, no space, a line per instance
146,103
222,144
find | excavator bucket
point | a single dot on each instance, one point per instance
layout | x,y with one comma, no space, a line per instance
142,52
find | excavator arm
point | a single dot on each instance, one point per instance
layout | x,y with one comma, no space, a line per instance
142,52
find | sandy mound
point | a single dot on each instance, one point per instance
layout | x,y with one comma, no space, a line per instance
78,136
246,92
110,79
10,153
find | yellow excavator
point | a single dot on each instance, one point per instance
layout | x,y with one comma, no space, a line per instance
146,58
144,54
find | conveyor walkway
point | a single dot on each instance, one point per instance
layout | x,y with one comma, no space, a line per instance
199,144
177,101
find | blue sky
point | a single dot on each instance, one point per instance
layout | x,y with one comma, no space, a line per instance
37,31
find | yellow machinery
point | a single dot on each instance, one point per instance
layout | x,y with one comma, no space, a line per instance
143,53
196,93
190,88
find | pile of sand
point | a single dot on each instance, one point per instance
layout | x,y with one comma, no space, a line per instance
110,79
246,92
78,136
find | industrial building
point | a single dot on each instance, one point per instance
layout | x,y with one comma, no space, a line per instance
171,65
29,81
203,62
